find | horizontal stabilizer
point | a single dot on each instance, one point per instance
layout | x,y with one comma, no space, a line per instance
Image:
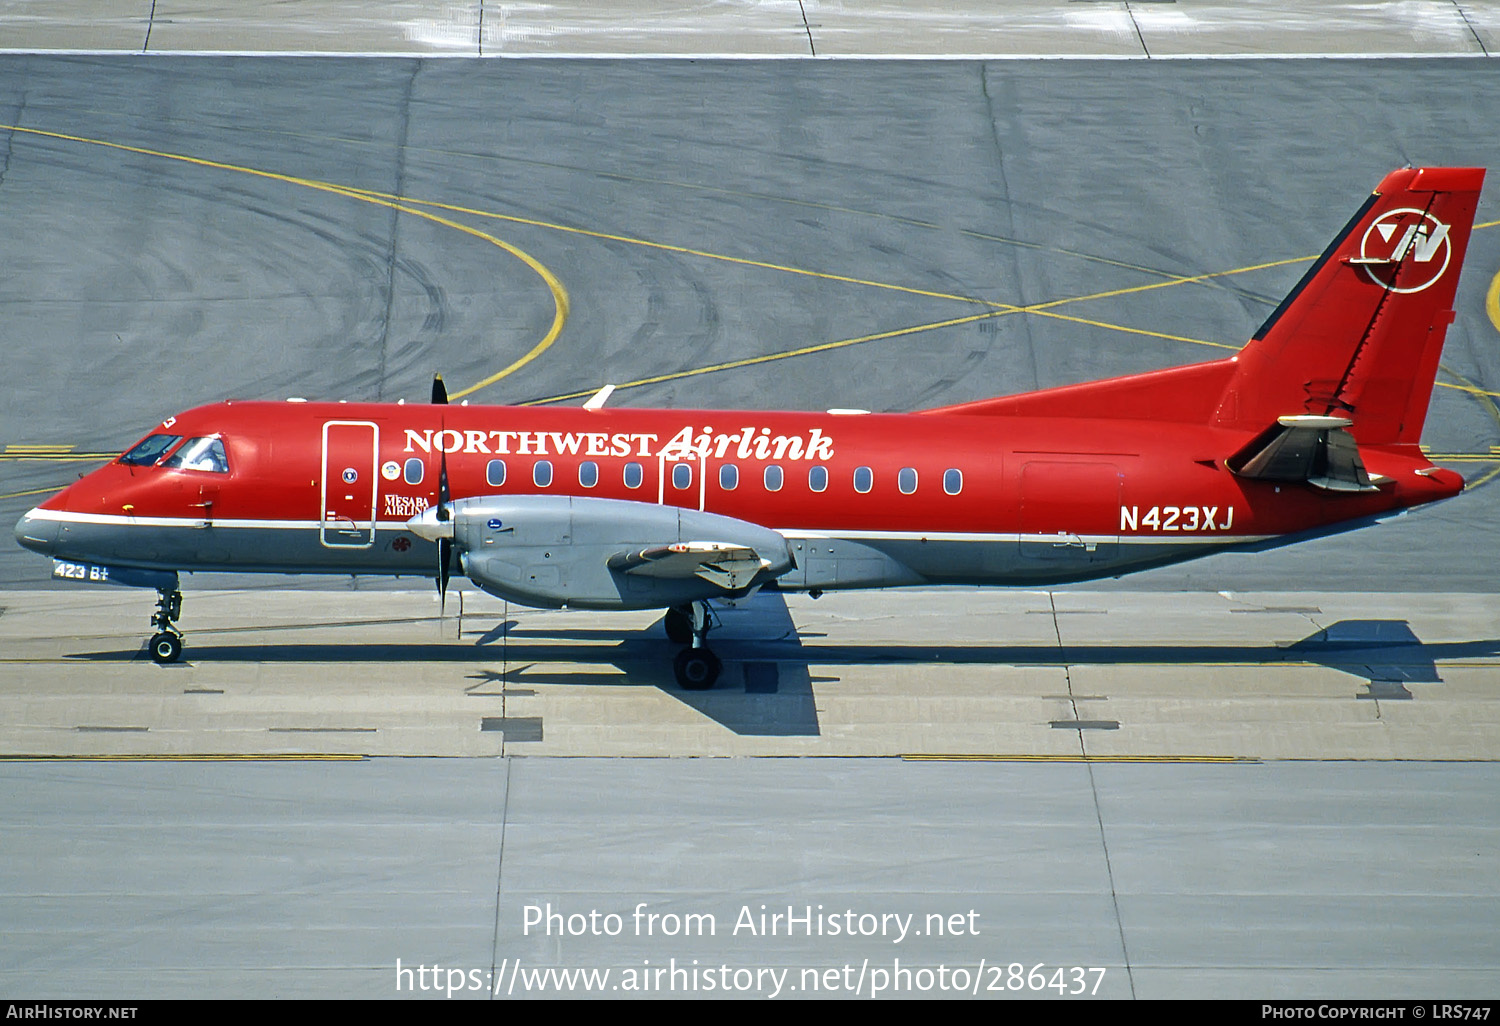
724,565
1303,448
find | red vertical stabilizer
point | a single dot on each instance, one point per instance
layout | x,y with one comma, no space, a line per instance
1358,338
1360,335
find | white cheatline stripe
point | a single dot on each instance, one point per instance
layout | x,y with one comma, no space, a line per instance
1203,538
71,517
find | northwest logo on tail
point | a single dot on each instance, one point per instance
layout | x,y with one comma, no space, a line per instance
1405,237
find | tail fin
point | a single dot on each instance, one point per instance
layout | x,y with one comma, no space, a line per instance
1360,335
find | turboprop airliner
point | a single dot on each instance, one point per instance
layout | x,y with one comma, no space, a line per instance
1312,427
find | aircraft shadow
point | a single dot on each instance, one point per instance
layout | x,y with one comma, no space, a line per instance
1387,653
766,686
759,693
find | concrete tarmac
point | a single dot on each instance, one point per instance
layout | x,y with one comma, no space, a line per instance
710,223
1273,881
176,230
756,28
1008,674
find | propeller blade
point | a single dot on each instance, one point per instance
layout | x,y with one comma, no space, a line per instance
445,559
444,514
439,391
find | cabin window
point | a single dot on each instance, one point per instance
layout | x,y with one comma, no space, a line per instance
729,477
633,475
906,480
200,454
864,479
494,473
541,473
773,478
588,473
953,481
413,472
147,451
682,475
817,478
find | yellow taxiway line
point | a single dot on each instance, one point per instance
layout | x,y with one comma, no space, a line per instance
559,294
1210,759
409,205
1492,301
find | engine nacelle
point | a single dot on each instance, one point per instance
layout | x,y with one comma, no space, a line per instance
554,551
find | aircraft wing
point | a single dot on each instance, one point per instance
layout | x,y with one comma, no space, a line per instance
722,564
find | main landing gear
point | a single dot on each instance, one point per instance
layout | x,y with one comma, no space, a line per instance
696,667
166,643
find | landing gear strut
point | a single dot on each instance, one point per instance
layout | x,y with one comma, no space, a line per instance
696,667
166,643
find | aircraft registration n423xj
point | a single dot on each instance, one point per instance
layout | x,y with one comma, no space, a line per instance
1313,426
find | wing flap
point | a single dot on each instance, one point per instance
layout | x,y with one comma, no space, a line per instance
725,565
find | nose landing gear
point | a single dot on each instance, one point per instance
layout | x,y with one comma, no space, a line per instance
695,667
166,643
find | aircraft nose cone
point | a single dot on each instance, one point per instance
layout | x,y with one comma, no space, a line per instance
36,533
427,525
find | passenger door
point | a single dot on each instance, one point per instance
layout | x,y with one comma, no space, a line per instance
350,454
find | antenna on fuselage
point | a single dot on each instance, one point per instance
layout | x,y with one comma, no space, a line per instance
439,391
599,398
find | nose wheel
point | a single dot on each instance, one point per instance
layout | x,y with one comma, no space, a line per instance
166,643
695,667
166,647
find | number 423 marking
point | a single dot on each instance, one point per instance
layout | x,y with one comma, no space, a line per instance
1176,518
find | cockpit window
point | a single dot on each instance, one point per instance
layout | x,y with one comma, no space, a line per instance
200,454
149,450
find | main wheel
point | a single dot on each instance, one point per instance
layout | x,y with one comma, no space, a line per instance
166,647
679,626
696,669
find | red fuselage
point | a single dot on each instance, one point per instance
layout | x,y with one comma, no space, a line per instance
329,487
